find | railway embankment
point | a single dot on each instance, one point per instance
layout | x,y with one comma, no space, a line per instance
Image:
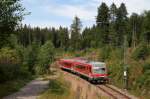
86,90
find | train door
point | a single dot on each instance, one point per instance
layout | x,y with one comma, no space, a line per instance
87,69
80,68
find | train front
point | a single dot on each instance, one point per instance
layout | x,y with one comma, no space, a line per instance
99,72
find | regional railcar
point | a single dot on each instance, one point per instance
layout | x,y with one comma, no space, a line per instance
93,71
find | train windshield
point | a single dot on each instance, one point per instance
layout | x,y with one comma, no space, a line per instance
99,69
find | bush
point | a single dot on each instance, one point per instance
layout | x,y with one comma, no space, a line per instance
30,57
141,52
45,58
10,65
55,87
8,71
143,82
105,53
8,55
146,67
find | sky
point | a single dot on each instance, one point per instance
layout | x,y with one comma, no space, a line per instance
53,13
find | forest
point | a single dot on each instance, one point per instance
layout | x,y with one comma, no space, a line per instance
26,52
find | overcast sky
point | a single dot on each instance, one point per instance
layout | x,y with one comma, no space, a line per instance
48,13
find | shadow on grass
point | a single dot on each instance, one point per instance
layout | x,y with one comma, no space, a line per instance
12,86
57,87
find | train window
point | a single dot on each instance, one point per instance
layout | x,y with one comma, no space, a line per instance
80,67
99,70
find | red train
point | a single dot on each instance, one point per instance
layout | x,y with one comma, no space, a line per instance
93,71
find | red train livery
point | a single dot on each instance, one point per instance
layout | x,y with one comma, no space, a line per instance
93,71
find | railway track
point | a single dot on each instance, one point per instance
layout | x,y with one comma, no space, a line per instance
115,94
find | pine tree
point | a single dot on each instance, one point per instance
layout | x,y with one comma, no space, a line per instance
64,38
102,21
113,12
75,33
135,23
113,16
55,38
121,24
86,38
146,27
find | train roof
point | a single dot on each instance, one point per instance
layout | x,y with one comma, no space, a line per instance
97,64
75,60
82,60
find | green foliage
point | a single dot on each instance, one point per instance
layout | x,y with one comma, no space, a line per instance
143,82
75,33
64,38
121,24
58,89
11,13
10,65
146,67
55,87
45,58
8,56
141,52
105,53
102,21
12,86
30,57
9,72
135,24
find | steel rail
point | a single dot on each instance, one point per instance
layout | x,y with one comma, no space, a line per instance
110,93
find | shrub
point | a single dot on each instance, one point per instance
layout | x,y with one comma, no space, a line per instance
8,71
10,65
105,53
30,57
55,87
144,80
8,55
141,52
45,58
146,67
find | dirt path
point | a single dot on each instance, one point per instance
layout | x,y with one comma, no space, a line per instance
31,90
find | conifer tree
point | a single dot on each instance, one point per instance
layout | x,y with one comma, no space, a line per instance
146,27
113,16
102,21
64,38
76,33
121,24
135,25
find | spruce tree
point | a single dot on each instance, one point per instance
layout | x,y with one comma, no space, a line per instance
75,33
146,27
121,24
87,37
113,16
102,21
64,38
135,25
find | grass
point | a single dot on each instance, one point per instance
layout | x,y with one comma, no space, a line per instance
58,89
10,87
